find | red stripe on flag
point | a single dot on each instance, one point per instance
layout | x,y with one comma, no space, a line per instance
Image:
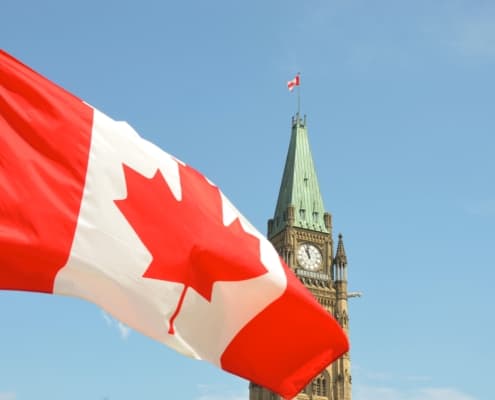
294,330
45,135
293,83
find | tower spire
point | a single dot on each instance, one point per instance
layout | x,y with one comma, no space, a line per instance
340,261
299,201
340,257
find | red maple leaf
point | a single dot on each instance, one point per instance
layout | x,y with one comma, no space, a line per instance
187,238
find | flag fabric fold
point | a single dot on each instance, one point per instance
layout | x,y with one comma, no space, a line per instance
90,209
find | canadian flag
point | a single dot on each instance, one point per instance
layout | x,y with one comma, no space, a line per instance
293,83
90,209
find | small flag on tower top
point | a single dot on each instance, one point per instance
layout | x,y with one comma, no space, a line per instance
293,83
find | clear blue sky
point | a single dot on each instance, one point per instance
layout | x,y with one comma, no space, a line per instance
400,103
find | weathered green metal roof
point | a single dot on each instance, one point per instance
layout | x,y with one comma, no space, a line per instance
299,187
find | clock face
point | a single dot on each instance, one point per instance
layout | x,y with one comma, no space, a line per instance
309,257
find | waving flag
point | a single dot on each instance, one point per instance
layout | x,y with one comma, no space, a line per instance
293,83
90,209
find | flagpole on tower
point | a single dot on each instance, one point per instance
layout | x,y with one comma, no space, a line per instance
298,94
291,85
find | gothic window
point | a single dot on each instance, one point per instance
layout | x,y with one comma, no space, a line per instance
315,386
323,386
302,213
320,384
315,215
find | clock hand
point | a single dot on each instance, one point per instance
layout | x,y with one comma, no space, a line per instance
308,253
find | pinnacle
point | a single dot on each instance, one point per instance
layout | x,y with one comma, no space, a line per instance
340,257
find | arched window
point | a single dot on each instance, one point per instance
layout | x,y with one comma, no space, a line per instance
320,384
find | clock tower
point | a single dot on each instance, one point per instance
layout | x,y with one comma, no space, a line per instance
301,231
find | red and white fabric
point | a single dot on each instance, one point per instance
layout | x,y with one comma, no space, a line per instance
90,209
293,83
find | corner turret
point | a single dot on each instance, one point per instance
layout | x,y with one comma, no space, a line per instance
340,262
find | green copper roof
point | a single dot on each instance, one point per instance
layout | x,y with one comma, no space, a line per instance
299,187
